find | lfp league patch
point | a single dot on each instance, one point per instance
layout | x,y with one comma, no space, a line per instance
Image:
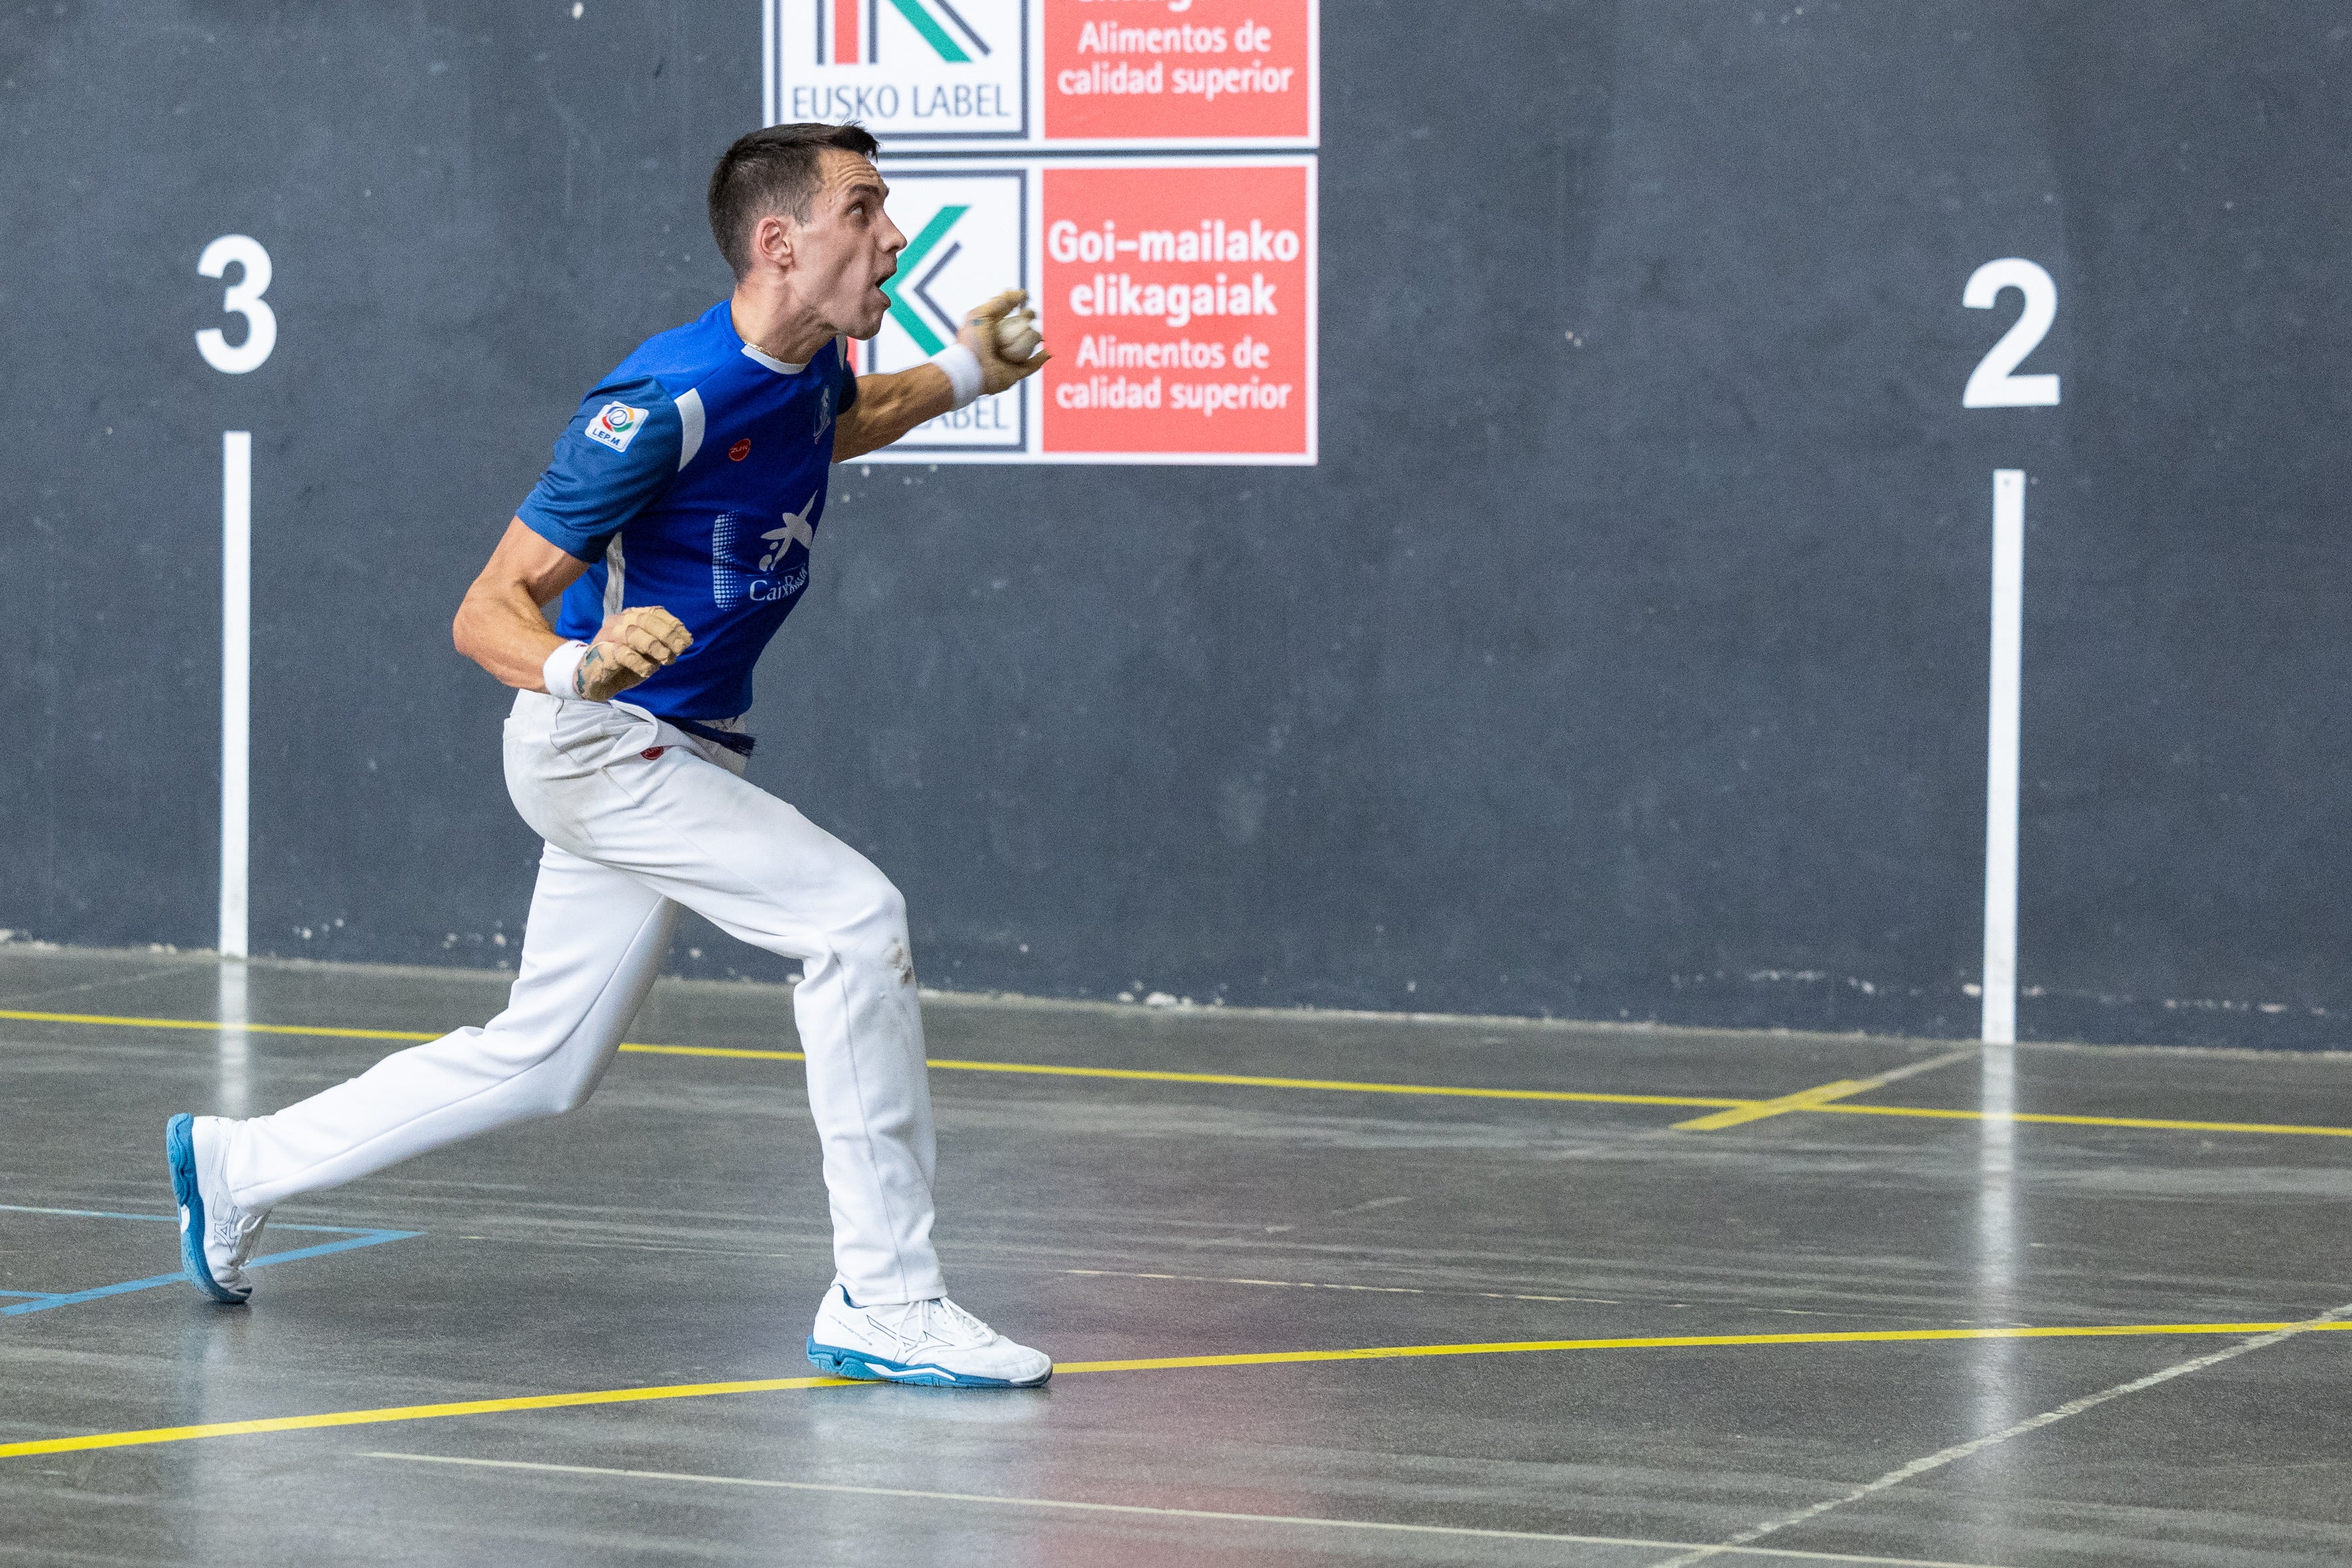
616,425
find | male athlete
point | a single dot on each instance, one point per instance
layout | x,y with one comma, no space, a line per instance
675,526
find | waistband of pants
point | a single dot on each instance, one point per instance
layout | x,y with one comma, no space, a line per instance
727,732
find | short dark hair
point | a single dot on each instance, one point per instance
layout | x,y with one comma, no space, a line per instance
776,170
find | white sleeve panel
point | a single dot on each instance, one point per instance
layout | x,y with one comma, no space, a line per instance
689,416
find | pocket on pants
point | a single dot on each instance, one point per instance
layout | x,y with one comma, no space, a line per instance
596,735
555,776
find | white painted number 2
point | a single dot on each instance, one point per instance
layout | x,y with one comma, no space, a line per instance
243,299
1993,385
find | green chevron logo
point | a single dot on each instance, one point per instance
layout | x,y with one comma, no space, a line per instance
916,323
926,17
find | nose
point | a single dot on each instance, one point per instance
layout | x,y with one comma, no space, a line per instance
894,239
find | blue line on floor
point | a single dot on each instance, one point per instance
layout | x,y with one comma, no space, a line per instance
23,1306
174,1219
353,1236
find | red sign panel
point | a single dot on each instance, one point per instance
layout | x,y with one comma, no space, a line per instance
1180,302
1152,71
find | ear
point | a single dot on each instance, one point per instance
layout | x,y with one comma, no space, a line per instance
771,241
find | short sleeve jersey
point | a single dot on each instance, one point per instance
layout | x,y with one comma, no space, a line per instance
694,478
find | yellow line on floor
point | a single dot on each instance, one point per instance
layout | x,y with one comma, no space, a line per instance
1819,1097
1757,1110
216,1025
944,1064
1808,1100
1694,1341
156,1435
1823,1098
2059,1120
407,1412
722,1051
1246,1081
1568,1096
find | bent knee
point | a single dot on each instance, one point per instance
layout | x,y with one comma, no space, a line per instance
874,913
870,932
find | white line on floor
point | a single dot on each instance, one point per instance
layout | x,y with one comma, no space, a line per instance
1159,1513
1920,1466
96,985
1310,1285
1913,1069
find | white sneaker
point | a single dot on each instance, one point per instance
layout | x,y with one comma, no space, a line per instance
933,1342
216,1238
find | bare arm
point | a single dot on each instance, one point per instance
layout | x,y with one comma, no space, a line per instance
887,406
501,627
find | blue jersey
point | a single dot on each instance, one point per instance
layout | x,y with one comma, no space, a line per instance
694,478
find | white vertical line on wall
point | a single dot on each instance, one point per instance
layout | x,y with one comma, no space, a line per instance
237,651
768,61
2002,742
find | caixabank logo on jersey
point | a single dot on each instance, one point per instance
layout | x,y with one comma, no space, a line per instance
935,73
965,243
750,559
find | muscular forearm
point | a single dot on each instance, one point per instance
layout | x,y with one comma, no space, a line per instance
500,625
998,346
887,406
500,629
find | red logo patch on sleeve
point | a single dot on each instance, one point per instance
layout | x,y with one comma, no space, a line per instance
740,450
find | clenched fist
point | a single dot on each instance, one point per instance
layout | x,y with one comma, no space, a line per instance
629,646
1003,334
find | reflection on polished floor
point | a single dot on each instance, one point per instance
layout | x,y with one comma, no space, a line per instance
1674,1297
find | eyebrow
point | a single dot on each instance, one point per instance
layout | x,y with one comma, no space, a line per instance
866,188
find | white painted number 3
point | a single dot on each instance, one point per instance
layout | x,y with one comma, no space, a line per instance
243,299
1993,384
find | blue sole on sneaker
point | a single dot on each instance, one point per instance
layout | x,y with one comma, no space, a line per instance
834,1361
179,1149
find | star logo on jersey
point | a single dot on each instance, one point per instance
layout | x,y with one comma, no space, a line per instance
796,530
616,425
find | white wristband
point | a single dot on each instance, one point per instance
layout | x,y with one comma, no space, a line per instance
561,669
962,367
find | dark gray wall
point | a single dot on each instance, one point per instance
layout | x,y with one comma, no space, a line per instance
1638,673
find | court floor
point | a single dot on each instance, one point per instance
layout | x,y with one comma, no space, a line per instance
1630,1296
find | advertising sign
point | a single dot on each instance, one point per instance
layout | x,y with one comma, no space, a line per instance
933,72
1026,75
1179,72
967,239
1177,295
1176,288
1180,302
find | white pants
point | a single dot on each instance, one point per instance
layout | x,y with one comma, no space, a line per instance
631,835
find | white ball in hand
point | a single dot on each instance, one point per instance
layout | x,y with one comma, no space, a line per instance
1016,335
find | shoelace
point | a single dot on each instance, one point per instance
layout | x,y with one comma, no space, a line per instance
937,1321
971,1328
242,1234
